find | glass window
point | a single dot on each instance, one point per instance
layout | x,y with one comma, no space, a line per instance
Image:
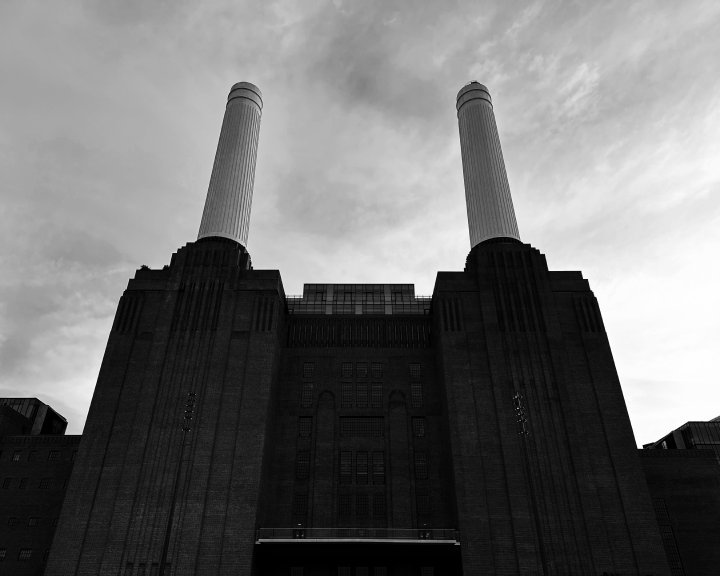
25,554
305,426
345,505
415,371
378,467
308,370
302,465
362,394
361,467
418,427
306,396
376,395
416,395
379,505
346,395
300,504
362,503
421,465
345,467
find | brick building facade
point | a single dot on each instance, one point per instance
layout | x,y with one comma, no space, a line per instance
358,430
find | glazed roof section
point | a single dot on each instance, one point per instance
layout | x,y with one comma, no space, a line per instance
358,299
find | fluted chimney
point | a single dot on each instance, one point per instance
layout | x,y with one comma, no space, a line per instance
229,197
487,193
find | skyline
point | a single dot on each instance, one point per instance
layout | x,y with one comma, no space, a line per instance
609,120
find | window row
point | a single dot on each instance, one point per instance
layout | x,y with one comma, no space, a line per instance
23,554
365,571
362,571
362,467
145,569
361,395
31,521
364,505
362,426
43,483
34,456
361,370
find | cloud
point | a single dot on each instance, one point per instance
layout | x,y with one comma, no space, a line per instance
608,116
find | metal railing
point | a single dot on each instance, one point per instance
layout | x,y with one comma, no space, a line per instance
429,535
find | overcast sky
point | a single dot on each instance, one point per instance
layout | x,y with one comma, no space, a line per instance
608,113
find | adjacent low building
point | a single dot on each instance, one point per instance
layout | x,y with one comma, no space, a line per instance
682,470
36,459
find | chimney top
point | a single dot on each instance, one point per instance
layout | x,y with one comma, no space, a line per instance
248,91
473,90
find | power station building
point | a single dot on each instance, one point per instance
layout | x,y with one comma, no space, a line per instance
357,430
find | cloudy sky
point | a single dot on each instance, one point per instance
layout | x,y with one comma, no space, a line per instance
608,112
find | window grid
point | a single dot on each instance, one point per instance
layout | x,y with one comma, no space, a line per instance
421,465
3,554
361,427
362,369
346,395
418,427
379,506
415,371
308,369
16,456
302,465
346,370
362,394
378,467
23,483
362,504
44,484
25,554
33,521
377,371
345,505
54,456
300,504
361,467
305,427
345,467
416,394
6,482
423,502
306,396
376,395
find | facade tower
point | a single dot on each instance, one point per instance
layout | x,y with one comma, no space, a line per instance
357,430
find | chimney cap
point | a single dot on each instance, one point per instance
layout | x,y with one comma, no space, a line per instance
246,90
473,90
